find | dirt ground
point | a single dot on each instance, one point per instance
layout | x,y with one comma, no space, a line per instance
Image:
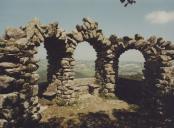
87,103
92,111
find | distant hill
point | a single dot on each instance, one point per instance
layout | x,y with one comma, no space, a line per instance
131,70
86,69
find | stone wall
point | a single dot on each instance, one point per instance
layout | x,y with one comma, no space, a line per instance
91,33
158,55
19,80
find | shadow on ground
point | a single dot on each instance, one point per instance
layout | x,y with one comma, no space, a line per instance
42,88
122,119
130,90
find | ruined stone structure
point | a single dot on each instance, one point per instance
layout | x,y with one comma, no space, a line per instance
19,80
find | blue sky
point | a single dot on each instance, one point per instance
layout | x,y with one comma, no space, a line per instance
146,17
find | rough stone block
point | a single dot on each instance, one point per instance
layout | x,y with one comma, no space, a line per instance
3,123
9,50
35,89
8,99
68,92
110,86
8,65
22,43
9,114
34,78
6,82
15,33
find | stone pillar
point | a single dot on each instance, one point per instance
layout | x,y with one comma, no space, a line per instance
18,80
56,55
55,52
107,72
66,89
164,83
116,68
99,69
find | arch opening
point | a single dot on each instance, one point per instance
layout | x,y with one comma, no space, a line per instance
85,57
131,65
130,77
50,68
42,64
56,51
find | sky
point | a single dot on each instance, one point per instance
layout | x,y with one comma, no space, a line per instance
146,17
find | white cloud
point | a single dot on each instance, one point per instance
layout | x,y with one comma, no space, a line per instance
160,17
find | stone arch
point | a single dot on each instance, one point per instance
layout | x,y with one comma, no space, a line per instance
158,56
84,53
91,33
131,56
18,79
125,46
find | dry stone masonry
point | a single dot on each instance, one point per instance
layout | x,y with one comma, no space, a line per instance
19,79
